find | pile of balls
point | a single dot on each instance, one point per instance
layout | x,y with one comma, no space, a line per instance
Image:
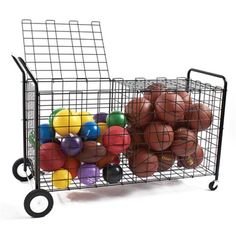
164,127
79,144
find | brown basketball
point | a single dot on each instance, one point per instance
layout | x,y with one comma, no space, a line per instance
166,160
106,160
169,107
143,163
199,116
154,91
185,142
194,159
137,139
139,112
179,161
92,152
158,136
186,98
179,124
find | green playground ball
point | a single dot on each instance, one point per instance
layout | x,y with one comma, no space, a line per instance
53,114
116,118
32,139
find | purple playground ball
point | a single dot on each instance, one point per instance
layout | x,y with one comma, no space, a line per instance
100,117
71,145
88,174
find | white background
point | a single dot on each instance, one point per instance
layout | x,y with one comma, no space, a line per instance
142,38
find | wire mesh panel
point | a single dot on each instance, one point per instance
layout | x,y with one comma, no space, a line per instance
82,129
158,131
64,51
170,127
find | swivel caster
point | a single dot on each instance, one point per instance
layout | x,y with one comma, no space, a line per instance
18,170
213,185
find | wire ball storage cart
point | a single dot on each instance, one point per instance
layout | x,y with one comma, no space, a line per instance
82,129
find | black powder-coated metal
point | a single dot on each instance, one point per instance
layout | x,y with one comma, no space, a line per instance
66,66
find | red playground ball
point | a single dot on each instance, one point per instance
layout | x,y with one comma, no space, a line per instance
194,160
72,165
158,136
185,142
139,112
169,107
199,116
51,157
116,140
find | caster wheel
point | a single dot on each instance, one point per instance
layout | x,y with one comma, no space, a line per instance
213,186
38,203
18,170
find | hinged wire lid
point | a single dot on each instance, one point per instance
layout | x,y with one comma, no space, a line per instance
64,51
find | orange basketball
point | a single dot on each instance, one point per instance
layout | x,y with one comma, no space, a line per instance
143,163
139,112
169,107
185,142
158,136
199,116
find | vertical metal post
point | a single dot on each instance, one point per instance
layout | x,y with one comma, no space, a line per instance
222,117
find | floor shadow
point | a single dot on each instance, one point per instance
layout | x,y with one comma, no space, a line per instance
95,194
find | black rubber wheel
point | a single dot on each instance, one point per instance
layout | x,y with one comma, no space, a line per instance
213,186
35,198
19,165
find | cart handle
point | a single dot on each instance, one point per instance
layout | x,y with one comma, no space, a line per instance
23,67
206,73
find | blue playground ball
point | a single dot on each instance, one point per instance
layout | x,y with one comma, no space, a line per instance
90,131
47,133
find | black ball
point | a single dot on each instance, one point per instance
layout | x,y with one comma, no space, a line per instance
112,173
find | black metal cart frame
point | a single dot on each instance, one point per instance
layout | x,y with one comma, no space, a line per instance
116,94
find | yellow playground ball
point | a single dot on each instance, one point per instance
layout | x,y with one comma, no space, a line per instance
61,178
103,128
66,121
85,116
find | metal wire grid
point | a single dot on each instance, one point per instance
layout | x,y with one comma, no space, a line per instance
60,51
69,59
115,96
125,90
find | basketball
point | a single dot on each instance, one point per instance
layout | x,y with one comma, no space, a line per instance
169,107
143,163
92,152
106,160
199,117
186,98
139,112
137,139
185,142
116,140
154,91
193,160
158,136
166,160
51,157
